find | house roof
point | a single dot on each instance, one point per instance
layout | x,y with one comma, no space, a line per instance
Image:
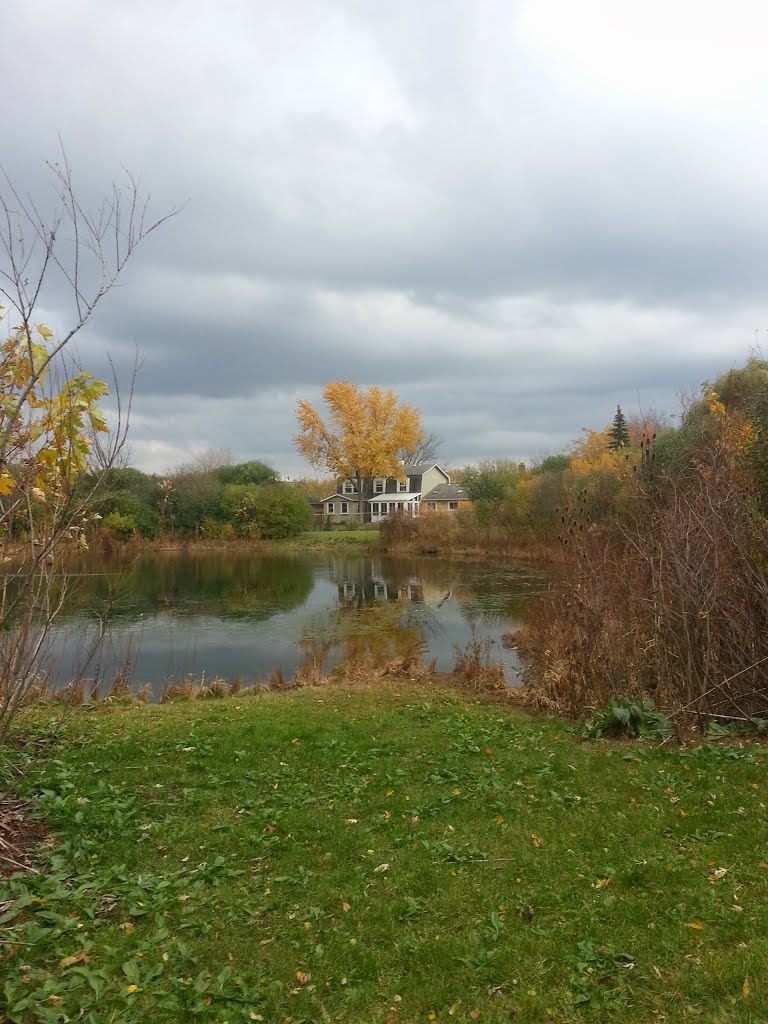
386,496
446,492
338,494
419,468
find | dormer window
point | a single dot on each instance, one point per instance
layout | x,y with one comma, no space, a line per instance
378,485
402,486
349,487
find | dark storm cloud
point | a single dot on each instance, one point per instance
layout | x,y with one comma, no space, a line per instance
514,214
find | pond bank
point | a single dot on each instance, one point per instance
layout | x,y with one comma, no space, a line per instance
386,852
352,540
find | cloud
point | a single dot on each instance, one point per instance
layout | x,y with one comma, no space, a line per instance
515,214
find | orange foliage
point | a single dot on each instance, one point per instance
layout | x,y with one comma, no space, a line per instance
364,432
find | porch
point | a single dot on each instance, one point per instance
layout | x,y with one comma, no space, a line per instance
402,504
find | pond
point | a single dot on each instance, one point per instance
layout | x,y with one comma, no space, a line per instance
168,616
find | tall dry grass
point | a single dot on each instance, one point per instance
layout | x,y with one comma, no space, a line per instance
668,602
440,532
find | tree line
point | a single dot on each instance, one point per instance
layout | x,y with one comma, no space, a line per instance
210,498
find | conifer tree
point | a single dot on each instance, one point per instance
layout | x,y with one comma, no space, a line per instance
618,435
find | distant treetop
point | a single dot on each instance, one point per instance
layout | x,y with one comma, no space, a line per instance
618,435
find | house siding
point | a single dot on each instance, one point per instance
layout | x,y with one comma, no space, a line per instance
360,507
431,479
352,515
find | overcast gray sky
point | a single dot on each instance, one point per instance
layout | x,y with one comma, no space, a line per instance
515,213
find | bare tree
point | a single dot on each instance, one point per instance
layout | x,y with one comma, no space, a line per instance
51,428
427,450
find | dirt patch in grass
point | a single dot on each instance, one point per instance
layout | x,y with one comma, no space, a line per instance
19,835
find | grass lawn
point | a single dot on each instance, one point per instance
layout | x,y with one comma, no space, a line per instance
333,538
391,855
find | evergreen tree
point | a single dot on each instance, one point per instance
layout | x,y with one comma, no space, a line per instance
618,434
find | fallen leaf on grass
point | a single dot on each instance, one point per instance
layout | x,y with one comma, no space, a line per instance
303,977
381,869
78,958
717,874
697,925
535,842
387,815
745,989
345,907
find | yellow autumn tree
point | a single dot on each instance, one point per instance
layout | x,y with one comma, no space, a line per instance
55,449
600,475
363,433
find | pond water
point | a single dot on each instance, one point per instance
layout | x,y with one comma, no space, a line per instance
240,616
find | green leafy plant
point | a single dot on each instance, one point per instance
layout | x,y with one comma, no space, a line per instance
623,716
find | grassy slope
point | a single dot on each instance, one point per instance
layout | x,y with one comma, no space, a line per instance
291,804
313,539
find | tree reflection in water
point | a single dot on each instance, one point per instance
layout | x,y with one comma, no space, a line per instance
244,614
382,616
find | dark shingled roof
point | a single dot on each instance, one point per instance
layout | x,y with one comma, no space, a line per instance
417,468
446,492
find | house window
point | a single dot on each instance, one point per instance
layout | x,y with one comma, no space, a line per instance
401,504
349,487
374,508
344,508
432,504
402,486
331,508
378,485
453,504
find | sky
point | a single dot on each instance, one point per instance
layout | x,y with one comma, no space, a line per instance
516,214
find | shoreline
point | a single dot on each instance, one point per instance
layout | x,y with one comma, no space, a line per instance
356,542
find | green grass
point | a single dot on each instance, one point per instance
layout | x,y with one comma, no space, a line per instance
394,855
333,538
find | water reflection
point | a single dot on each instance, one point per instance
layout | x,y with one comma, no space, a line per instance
243,587
241,616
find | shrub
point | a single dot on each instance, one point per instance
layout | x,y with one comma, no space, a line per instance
281,511
667,601
121,526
